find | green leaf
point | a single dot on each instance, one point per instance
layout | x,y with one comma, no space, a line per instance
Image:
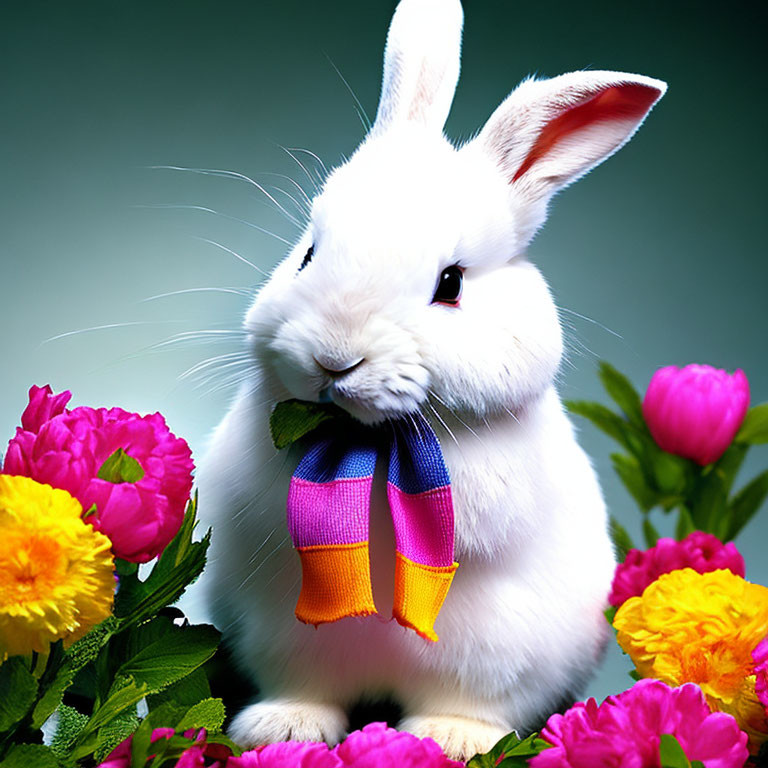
208,714
670,472
510,752
120,468
621,539
709,503
745,504
180,564
115,732
631,475
15,676
168,751
122,698
81,653
650,532
30,756
186,692
70,726
292,419
607,421
728,465
610,613
754,428
684,524
671,754
123,568
621,391
161,653
220,738
181,547
165,716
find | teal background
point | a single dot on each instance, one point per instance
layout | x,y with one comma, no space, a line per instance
662,247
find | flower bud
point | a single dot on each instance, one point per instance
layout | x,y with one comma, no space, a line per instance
696,411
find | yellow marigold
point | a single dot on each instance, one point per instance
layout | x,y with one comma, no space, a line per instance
701,628
56,571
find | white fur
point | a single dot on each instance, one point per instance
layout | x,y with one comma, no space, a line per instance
522,627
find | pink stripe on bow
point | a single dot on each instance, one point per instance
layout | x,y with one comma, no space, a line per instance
423,525
329,513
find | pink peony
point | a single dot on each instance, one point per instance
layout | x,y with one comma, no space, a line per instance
67,448
701,551
625,729
194,757
695,411
120,756
377,746
760,656
288,754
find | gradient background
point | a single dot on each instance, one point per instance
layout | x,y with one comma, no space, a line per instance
664,245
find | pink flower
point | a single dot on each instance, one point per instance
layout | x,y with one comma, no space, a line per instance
377,746
701,551
67,448
194,757
760,656
199,755
289,754
624,730
695,411
120,756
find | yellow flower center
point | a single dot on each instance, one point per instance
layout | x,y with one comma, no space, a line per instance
34,567
56,571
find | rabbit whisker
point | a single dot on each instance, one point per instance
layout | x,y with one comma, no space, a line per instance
442,421
513,415
234,291
590,320
361,113
301,207
230,175
236,255
173,206
263,544
311,154
106,327
312,180
307,199
219,362
209,336
274,551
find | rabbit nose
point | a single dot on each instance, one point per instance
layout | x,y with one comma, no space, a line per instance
336,367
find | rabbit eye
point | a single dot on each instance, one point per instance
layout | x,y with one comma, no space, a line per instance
449,286
307,257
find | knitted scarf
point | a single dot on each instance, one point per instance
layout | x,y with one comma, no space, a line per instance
328,520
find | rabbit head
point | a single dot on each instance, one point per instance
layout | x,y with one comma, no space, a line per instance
411,280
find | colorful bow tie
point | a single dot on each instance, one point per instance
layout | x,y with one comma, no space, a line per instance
328,519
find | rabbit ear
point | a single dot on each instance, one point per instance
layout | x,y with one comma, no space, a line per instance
548,133
421,63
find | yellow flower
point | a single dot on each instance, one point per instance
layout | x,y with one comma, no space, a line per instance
701,628
56,571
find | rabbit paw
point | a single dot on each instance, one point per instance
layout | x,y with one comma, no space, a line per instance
274,720
460,737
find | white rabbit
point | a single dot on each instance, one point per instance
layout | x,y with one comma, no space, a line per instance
522,627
